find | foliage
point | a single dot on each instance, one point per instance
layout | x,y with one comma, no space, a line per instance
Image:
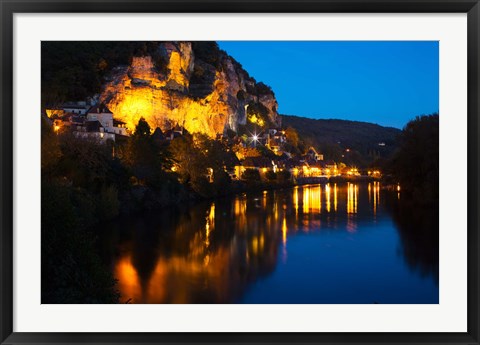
195,155
263,89
207,51
251,177
50,148
333,137
74,70
71,270
283,176
270,175
416,164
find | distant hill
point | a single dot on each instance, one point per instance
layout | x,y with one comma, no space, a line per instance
351,142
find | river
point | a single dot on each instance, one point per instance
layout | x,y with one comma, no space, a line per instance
348,243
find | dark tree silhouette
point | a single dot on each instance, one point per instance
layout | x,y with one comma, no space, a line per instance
416,163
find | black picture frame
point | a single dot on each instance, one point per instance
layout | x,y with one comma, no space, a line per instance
10,7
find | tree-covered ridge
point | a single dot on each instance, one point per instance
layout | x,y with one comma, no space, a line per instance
352,142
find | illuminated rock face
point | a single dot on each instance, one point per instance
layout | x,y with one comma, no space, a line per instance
185,90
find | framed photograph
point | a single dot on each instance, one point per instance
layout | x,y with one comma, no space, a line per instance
244,172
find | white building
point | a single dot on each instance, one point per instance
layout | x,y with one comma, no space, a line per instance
103,115
93,130
80,107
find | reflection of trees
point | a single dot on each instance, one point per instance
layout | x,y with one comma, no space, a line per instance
211,252
418,228
196,255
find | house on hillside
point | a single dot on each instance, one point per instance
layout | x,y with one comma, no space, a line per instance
80,107
103,115
313,154
93,130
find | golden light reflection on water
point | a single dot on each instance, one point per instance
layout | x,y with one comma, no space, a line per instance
352,198
210,224
374,193
295,199
335,201
128,282
327,192
211,253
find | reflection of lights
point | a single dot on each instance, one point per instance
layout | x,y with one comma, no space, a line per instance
254,244
284,231
352,198
210,224
128,281
327,191
335,197
295,199
306,200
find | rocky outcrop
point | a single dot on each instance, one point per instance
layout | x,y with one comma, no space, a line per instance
193,84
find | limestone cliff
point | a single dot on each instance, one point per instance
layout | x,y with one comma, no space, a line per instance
193,84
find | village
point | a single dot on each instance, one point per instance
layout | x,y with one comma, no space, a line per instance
93,121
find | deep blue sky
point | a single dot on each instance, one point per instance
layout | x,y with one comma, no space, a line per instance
388,83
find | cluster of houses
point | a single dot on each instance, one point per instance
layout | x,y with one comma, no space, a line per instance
87,121
96,121
311,165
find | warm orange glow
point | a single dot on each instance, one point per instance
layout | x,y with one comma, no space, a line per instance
210,224
284,231
335,197
327,192
295,199
129,283
256,119
352,198
159,101
306,200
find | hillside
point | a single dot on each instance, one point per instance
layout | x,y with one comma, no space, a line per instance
193,84
352,142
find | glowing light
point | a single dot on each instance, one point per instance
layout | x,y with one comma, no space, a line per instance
128,280
352,198
327,191
335,197
306,200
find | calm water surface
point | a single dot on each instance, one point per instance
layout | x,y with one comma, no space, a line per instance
350,243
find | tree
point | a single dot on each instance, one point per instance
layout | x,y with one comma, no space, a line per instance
51,152
151,162
251,176
416,164
292,136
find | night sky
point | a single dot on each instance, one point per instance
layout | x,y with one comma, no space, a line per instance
388,83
